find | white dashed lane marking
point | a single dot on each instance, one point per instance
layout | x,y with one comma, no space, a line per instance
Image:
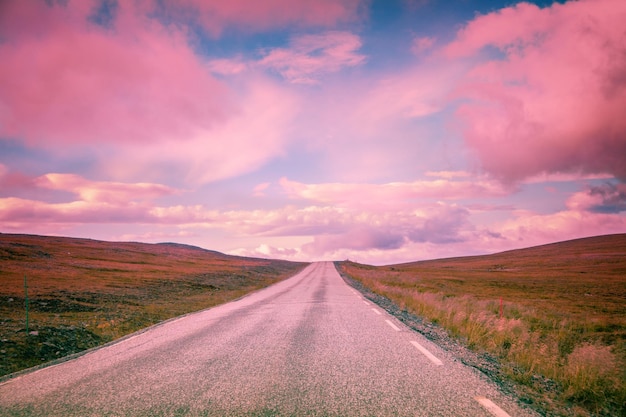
393,326
491,407
426,353
485,402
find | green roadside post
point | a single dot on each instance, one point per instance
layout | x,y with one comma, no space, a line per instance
26,298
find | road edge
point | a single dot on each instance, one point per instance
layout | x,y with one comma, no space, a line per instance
9,377
485,364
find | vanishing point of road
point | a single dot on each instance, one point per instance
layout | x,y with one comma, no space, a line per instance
307,346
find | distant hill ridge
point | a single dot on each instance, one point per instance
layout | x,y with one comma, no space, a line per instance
193,248
42,240
609,242
612,245
183,246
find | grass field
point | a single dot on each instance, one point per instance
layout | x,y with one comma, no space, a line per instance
83,293
554,316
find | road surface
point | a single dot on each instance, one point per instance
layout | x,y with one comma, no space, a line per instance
309,345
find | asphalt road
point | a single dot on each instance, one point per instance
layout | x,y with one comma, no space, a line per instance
307,346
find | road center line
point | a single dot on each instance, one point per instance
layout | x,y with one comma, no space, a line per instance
426,353
365,302
377,312
491,407
393,326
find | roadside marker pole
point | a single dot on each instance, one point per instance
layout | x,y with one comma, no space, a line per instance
26,298
500,307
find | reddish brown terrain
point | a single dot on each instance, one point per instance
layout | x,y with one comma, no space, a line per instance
83,293
554,316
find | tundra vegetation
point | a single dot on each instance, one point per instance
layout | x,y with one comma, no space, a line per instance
83,293
553,316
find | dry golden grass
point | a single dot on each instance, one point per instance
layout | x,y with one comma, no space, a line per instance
560,331
83,293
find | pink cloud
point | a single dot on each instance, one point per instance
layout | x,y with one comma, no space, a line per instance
427,233
13,181
73,81
267,251
529,229
396,194
252,136
259,189
422,44
508,28
371,129
312,55
414,93
224,66
95,202
555,101
608,198
358,238
565,177
286,221
325,231
31,215
17,213
85,190
99,191
330,228
365,232
155,236
135,90
335,227
448,174
216,15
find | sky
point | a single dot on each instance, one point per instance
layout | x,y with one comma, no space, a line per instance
380,131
